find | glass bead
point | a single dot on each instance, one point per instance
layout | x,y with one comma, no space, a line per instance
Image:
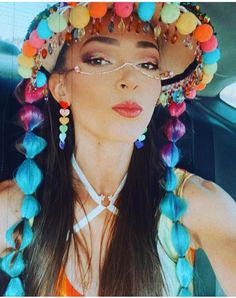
146,28
50,49
157,31
68,37
111,27
44,53
138,27
121,26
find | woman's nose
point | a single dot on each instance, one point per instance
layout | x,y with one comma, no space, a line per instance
127,82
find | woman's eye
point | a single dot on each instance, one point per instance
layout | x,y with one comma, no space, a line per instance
97,61
149,66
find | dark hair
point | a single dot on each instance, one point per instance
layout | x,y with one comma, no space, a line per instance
132,266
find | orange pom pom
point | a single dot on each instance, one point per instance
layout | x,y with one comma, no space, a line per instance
72,3
203,32
199,87
97,9
28,50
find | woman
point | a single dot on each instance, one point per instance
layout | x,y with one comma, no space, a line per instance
104,84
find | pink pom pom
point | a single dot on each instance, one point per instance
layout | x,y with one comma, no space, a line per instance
123,9
174,129
177,109
35,41
209,45
33,94
30,117
191,94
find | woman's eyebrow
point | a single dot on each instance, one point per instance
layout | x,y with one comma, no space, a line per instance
113,41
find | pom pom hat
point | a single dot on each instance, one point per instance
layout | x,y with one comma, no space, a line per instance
188,61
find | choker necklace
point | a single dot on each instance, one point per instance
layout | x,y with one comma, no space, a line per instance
103,201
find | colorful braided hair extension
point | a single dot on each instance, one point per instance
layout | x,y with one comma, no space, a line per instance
172,205
28,177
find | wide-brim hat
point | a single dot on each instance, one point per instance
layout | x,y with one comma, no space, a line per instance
188,46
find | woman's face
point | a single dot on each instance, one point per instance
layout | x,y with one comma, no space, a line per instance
93,96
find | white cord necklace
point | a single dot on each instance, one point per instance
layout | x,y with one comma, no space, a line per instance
102,200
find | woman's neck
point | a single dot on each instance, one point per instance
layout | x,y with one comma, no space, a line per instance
103,162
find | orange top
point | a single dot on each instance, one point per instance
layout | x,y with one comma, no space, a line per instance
66,288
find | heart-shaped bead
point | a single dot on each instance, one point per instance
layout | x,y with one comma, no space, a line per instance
64,104
177,109
63,120
64,112
141,138
62,137
33,94
63,128
139,145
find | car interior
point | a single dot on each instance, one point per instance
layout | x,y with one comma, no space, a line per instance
209,146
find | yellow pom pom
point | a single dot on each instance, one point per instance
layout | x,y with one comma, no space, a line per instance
186,23
57,23
206,78
25,61
79,17
210,68
25,72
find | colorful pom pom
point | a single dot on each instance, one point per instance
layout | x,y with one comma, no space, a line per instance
97,9
79,17
170,13
28,50
123,9
209,45
203,33
211,57
25,72
41,79
210,68
199,87
207,78
186,23
146,10
191,94
25,61
35,41
43,30
57,22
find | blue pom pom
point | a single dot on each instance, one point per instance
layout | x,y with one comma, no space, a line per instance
28,176
211,57
146,10
15,288
180,238
43,30
170,179
173,206
185,293
41,79
16,268
184,272
33,144
30,207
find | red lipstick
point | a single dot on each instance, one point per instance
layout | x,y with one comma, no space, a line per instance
128,109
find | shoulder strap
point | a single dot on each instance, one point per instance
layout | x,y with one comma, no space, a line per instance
183,176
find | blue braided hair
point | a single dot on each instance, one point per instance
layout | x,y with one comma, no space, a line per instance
173,206
28,177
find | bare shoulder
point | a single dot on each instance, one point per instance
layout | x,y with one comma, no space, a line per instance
10,202
211,210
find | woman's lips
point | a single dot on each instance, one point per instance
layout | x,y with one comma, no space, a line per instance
128,109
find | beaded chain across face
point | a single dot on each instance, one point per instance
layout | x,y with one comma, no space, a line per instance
66,22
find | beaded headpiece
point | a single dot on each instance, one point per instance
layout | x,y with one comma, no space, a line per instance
190,48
